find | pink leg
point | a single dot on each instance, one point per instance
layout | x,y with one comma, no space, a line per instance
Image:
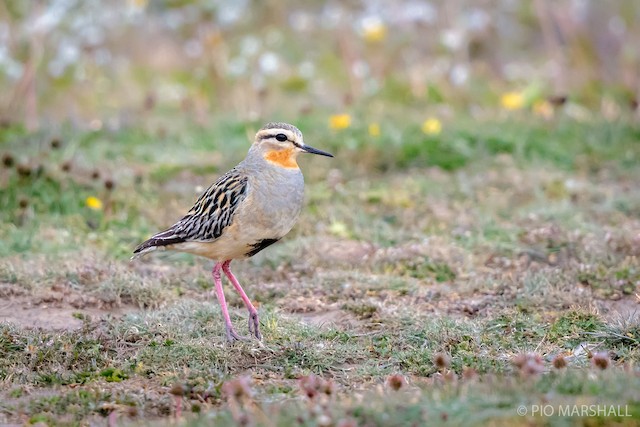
254,321
111,419
231,333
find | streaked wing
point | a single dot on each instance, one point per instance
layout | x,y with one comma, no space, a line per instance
209,216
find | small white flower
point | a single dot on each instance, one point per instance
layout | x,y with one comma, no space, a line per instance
269,63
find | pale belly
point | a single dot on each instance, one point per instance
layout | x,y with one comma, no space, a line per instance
227,246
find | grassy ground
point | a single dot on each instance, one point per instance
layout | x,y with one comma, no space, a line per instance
444,278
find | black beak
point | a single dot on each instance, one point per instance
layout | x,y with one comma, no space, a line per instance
315,151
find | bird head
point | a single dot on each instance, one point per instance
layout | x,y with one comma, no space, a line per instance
281,143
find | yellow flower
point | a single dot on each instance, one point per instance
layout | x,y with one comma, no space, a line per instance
140,368
374,130
432,126
374,32
543,108
340,229
339,121
94,203
512,101
140,4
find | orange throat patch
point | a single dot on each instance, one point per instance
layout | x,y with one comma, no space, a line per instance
283,158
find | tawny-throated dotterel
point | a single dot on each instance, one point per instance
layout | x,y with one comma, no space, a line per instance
247,209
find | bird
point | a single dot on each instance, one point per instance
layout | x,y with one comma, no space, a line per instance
247,209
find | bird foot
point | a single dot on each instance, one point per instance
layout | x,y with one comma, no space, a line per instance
232,335
254,325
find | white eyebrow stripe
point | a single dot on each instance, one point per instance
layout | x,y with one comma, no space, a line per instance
271,133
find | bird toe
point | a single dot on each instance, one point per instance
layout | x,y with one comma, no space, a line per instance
232,336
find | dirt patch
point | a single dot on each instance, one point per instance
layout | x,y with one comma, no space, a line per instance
624,308
341,251
30,312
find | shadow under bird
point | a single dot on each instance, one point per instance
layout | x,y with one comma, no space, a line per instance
247,209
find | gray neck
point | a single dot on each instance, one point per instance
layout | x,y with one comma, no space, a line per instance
254,157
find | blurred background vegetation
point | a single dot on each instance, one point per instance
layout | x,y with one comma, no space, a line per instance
109,64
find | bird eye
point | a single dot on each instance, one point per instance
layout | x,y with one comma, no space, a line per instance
281,137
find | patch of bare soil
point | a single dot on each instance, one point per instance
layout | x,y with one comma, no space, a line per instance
625,308
22,312
341,251
55,309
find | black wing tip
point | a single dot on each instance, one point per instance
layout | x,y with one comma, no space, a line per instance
144,245
159,240
141,247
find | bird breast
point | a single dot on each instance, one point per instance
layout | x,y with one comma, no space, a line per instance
273,203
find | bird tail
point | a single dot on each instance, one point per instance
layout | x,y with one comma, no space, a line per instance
143,252
157,241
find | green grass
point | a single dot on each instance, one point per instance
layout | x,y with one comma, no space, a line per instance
489,241
475,403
